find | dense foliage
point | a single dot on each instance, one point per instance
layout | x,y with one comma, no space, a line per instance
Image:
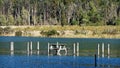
59,12
5,30
49,33
18,33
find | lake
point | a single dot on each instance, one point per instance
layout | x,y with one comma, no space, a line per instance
88,47
34,61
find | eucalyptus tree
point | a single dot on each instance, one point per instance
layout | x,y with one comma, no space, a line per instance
28,12
3,21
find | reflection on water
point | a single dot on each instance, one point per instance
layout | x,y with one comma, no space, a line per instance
34,61
31,52
88,46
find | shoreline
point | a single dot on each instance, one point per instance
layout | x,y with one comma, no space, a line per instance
110,32
61,37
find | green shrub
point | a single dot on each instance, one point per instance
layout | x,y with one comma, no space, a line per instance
18,33
84,32
43,32
1,30
118,22
110,31
74,22
7,30
49,33
77,32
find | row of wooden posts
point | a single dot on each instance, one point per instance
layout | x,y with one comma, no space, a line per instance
29,47
103,50
75,48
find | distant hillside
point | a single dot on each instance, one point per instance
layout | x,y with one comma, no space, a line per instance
59,12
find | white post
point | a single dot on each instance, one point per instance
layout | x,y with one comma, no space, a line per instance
98,50
77,49
38,46
102,49
31,47
57,47
74,49
12,48
28,48
57,44
48,49
108,50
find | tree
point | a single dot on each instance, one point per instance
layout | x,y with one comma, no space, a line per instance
25,16
18,21
3,21
63,19
42,11
10,20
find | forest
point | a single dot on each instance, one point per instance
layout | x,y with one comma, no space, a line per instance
59,12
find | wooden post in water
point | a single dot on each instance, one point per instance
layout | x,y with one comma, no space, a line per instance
48,48
12,47
95,60
77,49
38,47
102,49
31,47
108,53
57,44
98,49
28,48
74,51
56,49
108,50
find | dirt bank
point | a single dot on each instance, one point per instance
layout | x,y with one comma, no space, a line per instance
68,31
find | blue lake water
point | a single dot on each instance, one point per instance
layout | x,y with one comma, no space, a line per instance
88,46
33,61
87,50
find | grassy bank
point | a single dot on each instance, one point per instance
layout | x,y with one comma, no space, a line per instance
67,31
